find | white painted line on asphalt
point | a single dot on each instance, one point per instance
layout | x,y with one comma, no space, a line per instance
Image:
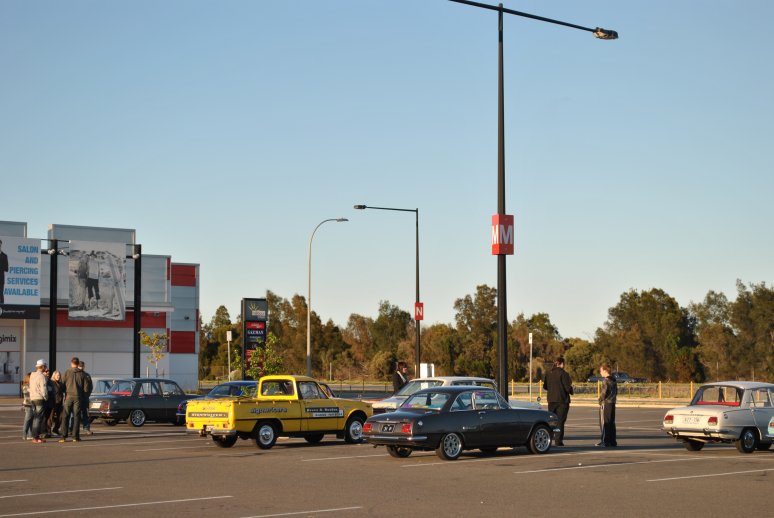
96,508
12,481
606,451
10,426
91,443
316,511
178,448
62,492
344,458
607,465
711,475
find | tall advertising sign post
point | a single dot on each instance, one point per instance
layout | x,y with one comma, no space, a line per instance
502,246
255,314
228,344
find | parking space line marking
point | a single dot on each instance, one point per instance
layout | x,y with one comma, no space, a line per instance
307,512
549,456
711,475
608,465
115,506
12,481
61,492
344,458
178,448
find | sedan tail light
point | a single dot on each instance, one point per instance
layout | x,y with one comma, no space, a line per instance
712,421
368,427
406,428
104,406
669,419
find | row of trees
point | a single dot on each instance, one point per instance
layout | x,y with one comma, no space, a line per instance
647,334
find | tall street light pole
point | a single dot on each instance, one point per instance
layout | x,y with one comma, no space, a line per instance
309,297
502,224
418,306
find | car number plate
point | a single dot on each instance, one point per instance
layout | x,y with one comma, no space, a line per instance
691,419
95,404
388,427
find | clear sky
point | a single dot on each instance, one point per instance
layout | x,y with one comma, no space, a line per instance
224,132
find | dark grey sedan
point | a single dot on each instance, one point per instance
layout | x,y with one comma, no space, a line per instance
452,419
137,400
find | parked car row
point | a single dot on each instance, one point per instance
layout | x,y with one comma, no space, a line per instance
443,414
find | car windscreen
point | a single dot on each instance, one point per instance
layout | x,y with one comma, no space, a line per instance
122,388
722,395
427,401
417,385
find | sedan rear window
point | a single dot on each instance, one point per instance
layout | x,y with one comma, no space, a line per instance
427,400
718,395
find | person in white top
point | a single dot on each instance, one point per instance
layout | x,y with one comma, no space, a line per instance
38,398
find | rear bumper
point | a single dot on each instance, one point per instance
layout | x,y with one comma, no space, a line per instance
413,441
704,435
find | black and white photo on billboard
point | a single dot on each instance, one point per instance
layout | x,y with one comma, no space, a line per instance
97,279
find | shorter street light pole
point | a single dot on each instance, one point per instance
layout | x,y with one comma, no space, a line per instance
309,298
418,307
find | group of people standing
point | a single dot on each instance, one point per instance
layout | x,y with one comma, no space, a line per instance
52,402
558,385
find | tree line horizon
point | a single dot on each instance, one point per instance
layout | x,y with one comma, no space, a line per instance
647,334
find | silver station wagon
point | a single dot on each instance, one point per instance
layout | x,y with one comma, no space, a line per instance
739,412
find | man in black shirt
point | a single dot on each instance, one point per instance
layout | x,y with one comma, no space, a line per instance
607,398
559,387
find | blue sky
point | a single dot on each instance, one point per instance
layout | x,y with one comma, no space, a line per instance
224,132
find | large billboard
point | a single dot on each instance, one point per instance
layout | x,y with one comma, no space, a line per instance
19,277
97,277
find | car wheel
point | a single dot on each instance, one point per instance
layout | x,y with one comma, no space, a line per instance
265,436
353,432
748,441
540,440
450,447
763,446
489,450
111,422
314,438
137,417
400,452
224,441
692,445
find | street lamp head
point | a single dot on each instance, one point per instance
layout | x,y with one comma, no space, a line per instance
604,34
360,207
339,220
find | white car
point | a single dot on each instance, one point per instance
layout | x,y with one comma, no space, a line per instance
739,412
391,403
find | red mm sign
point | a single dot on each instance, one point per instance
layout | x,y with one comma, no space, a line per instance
502,234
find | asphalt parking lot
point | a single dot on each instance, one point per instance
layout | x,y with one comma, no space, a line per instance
159,469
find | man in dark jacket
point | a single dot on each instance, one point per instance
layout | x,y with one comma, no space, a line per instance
87,388
74,384
559,387
607,398
399,377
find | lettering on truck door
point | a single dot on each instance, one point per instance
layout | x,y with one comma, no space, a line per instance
319,412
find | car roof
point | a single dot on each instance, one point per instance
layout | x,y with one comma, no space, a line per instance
239,382
744,385
141,380
453,378
454,389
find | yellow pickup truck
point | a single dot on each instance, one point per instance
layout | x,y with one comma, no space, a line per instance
284,406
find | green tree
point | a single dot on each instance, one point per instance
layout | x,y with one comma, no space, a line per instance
266,360
157,345
752,319
648,334
476,318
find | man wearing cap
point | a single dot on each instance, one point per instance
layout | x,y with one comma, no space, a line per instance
74,383
38,398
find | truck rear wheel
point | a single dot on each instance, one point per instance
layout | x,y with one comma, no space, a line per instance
265,435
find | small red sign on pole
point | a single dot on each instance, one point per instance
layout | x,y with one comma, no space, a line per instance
502,234
419,311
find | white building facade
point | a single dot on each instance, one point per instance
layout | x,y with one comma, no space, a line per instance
169,305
